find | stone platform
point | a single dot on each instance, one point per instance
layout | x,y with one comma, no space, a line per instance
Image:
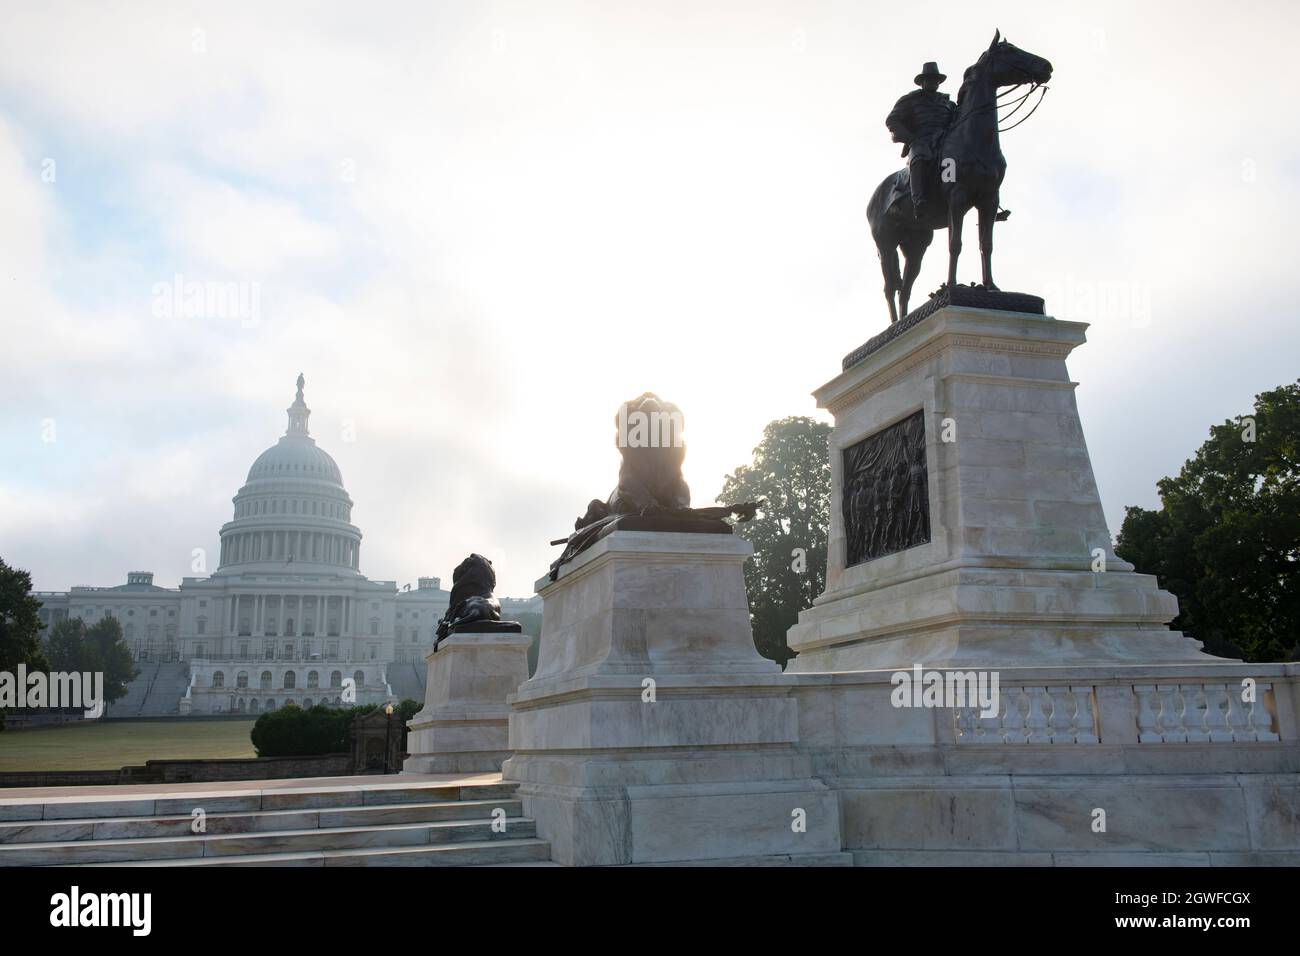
1015,565
652,731
1185,773
462,727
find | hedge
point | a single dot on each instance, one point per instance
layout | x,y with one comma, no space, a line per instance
291,731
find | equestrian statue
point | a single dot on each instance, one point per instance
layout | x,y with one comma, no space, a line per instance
955,164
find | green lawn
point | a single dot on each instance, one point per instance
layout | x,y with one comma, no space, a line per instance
99,745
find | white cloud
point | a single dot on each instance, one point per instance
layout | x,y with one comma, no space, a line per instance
478,230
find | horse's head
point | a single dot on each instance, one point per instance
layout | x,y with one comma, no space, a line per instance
1009,65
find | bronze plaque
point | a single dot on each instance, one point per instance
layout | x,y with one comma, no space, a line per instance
886,495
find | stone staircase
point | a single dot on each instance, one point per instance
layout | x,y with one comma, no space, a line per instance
273,823
406,680
168,686
137,689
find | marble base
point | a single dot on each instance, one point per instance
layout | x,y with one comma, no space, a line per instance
1019,567
653,731
463,727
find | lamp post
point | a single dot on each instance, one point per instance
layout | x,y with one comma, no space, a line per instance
388,731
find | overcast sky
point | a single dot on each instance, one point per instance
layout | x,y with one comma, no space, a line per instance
478,227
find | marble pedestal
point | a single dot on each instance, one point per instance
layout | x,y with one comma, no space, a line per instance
463,725
652,731
1009,573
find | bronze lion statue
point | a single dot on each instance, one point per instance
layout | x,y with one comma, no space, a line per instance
650,483
472,584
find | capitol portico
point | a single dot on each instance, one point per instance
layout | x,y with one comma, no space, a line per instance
287,615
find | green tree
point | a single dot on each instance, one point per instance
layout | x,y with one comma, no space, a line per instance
100,648
20,624
109,653
1226,539
20,621
791,472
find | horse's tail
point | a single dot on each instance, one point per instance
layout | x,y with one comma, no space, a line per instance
879,203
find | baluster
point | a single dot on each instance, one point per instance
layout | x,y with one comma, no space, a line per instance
1216,696
1194,712
1085,721
1260,719
1170,717
1148,732
1036,722
1013,723
988,730
964,719
1062,719
1237,718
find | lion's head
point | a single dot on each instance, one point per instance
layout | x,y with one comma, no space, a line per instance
649,437
473,577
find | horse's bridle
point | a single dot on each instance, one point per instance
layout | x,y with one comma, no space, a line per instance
1033,85
1020,101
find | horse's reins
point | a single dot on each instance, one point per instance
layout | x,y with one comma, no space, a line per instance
1019,102
1042,91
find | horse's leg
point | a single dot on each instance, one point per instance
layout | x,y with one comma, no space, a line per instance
913,253
988,215
957,207
889,266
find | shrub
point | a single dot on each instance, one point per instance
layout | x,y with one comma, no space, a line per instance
290,731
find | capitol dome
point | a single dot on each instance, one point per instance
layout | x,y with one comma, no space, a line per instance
291,455
293,512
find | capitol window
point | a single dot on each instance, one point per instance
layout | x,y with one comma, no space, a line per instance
218,679
241,679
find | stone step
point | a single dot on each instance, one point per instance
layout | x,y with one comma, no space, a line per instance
217,800
172,849
528,851
259,821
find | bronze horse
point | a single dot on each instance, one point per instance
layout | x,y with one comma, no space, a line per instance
969,171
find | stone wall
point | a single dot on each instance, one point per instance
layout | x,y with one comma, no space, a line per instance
190,771
1080,766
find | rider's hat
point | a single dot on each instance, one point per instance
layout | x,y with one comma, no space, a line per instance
930,69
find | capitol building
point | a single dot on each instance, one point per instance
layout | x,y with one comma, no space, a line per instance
287,616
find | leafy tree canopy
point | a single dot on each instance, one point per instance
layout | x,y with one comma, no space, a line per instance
1226,539
20,624
791,472
100,648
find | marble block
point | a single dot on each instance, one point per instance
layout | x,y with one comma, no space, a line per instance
652,730
463,726
1018,566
